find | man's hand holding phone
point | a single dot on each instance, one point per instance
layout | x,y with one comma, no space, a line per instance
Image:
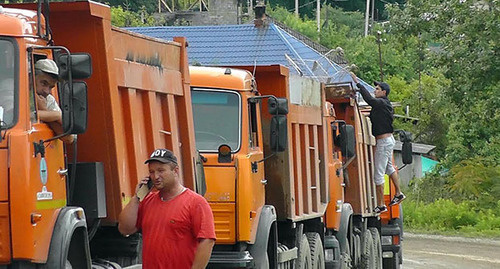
143,188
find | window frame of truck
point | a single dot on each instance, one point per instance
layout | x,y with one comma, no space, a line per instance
253,125
203,89
15,51
34,56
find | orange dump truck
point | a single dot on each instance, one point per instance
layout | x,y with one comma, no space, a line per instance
288,178
138,99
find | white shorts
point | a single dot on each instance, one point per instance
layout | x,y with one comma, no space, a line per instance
383,159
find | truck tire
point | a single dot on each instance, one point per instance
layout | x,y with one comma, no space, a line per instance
304,257
378,248
367,257
317,251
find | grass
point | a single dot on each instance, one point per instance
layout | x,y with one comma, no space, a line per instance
446,217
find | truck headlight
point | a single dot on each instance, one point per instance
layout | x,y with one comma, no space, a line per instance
387,255
386,240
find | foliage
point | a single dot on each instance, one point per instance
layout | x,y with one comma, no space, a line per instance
467,52
463,199
124,18
305,26
443,57
423,98
134,5
476,180
445,216
308,8
402,58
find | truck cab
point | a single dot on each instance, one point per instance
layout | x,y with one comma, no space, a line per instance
32,158
227,130
59,205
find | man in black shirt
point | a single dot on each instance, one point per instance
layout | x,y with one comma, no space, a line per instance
382,116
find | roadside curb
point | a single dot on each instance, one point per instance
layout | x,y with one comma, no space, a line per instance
483,241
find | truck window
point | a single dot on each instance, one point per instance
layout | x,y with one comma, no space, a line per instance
33,117
217,119
252,128
32,59
8,91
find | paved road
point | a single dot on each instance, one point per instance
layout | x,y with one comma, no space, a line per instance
436,252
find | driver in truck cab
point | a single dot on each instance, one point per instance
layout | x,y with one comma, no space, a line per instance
46,78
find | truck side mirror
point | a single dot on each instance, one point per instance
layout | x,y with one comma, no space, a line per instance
406,153
347,140
277,106
79,108
201,185
278,133
81,66
406,150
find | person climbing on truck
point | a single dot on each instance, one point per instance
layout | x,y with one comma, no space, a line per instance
382,116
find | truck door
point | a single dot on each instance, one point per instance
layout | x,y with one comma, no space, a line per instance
40,196
257,181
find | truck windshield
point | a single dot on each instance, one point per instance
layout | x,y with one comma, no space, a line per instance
7,79
216,119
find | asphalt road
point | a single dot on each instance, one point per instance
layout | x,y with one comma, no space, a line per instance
435,252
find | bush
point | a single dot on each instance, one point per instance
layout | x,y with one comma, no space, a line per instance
446,216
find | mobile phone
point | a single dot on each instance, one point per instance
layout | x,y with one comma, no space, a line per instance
144,190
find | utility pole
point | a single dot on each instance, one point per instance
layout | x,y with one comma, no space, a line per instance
318,14
367,16
379,42
297,8
373,14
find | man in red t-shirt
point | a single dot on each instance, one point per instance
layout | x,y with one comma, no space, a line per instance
177,224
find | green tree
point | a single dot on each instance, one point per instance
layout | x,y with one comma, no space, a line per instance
134,5
467,35
124,18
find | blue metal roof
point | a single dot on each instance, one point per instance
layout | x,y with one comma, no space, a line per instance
246,45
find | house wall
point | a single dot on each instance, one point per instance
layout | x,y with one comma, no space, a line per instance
413,170
220,12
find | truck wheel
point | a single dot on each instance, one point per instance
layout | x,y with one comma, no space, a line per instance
378,248
304,256
367,258
317,251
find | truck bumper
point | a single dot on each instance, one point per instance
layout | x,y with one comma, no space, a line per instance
332,252
391,238
231,259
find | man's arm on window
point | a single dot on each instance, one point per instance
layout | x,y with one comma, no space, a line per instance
50,116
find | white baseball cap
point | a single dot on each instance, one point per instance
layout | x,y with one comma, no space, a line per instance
47,66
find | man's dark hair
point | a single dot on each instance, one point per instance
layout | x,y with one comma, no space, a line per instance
383,86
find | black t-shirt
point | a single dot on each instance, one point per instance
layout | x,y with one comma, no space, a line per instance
382,113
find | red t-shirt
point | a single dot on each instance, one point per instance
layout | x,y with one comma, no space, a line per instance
171,229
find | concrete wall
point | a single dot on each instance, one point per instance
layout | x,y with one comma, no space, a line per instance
220,12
